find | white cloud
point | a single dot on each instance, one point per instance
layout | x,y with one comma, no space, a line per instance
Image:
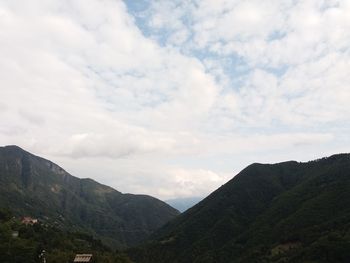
80,81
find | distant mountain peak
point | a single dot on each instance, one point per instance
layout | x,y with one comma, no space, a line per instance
184,203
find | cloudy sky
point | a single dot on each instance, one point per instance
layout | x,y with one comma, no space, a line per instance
173,98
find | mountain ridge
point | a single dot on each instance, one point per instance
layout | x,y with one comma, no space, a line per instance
182,204
261,212
41,188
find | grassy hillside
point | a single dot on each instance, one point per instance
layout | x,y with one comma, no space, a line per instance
286,212
39,188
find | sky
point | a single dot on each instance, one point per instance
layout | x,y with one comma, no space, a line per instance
173,98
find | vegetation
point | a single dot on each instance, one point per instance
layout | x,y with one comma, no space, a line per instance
287,212
59,246
39,188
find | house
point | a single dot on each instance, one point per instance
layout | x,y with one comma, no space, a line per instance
83,258
27,220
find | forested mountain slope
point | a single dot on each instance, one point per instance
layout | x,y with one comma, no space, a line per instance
285,212
33,186
26,243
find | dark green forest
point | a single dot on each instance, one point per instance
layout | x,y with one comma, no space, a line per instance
286,212
60,246
40,188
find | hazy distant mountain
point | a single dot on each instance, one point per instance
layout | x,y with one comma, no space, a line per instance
182,204
33,186
286,212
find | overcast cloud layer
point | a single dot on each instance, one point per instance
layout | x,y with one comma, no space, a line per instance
172,98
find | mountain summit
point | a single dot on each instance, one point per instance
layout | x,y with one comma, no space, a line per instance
36,187
285,212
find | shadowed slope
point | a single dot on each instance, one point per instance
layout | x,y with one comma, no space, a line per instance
37,187
266,213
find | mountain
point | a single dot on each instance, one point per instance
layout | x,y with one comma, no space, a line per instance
36,187
285,212
182,204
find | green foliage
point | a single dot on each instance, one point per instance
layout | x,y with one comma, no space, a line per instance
60,246
39,188
287,212
5,215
